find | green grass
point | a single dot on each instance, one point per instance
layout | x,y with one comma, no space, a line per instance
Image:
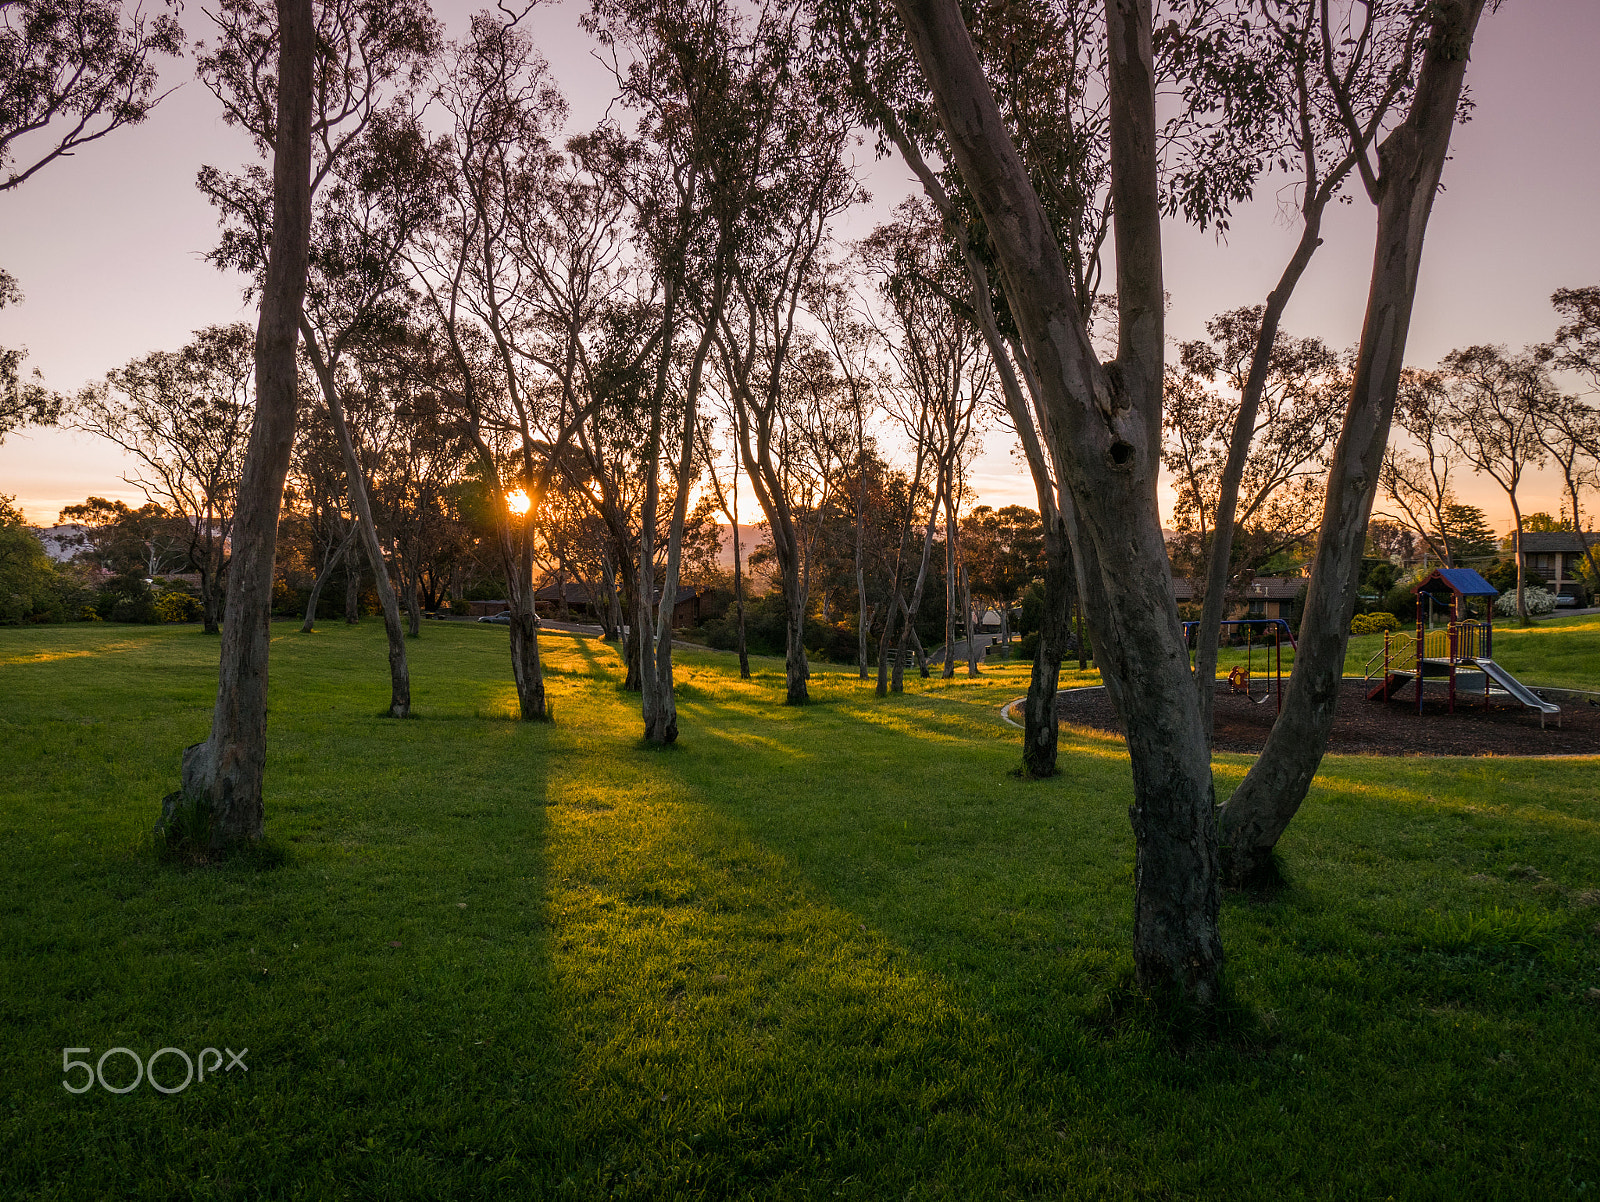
1569,661
834,951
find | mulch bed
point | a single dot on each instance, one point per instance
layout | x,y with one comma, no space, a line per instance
1363,727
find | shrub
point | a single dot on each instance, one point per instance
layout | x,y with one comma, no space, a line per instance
1374,623
1027,647
177,605
1539,601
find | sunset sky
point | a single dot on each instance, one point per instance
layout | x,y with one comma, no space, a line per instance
108,246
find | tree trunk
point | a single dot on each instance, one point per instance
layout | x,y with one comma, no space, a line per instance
356,486
910,616
974,625
862,620
795,668
413,586
611,618
1516,550
1040,730
223,775
1106,439
333,561
208,602
1411,160
352,589
526,669
738,588
951,594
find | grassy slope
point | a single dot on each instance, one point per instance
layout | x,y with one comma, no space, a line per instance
835,951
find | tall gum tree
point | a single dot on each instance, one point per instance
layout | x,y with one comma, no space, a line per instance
371,187
185,416
1317,119
1402,185
806,186
1106,421
222,777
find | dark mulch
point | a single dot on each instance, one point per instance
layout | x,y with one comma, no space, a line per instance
1363,727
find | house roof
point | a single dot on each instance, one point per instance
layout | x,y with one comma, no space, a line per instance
1556,540
1461,581
552,592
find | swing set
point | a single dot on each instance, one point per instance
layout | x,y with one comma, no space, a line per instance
1239,680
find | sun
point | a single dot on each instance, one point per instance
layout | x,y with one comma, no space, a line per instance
518,502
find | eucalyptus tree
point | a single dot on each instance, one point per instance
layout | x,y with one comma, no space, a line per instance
71,72
1298,400
507,197
184,416
1419,484
797,182
222,777
1574,428
727,500
371,192
1497,407
707,83
848,336
317,484
1400,166
1314,114
944,376
1570,433
1104,433
24,400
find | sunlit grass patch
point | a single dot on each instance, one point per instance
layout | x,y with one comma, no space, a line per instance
832,950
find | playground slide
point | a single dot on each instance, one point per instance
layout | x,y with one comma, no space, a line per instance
1516,688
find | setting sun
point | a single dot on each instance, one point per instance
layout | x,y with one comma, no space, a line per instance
518,502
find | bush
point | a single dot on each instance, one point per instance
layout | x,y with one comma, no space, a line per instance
127,599
177,605
1373,623
1027,647
32,587
1539,601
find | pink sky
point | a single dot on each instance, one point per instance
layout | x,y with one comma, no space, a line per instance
108,246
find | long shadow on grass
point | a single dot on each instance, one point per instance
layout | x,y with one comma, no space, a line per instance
392,981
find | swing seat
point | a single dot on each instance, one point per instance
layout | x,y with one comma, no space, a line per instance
1239,682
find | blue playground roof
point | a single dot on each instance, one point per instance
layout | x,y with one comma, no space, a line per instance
1463,581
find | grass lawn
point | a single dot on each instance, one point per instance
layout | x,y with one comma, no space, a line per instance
835,951
1570,661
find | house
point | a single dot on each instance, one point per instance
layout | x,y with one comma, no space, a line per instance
547,602
1559,557
1263,597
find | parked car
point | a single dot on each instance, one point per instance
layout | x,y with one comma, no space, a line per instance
1565,600
503,618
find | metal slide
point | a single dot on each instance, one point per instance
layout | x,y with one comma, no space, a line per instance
1516,688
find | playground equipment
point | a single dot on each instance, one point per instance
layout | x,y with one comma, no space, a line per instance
1463,649
1239,679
